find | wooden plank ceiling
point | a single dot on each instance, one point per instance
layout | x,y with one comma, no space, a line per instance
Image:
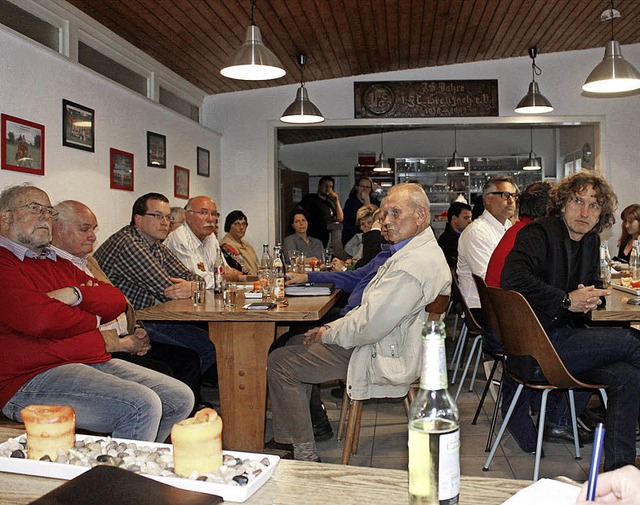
195,38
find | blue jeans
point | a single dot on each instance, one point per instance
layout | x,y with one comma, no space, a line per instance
609,356
114,397
184,335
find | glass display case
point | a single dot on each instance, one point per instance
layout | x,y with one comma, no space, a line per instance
443,186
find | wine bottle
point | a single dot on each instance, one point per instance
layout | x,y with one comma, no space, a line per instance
634,261
434,429
605,265
278,272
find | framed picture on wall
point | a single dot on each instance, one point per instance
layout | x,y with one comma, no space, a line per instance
78,126
156,150
180,182
121,170
22,145
203,161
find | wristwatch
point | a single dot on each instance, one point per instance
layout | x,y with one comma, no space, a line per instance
566,303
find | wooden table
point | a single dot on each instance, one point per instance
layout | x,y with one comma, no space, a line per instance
617,309
298,482
242,339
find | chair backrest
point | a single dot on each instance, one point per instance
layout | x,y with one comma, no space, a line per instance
523,335
485,302
437,307
472,324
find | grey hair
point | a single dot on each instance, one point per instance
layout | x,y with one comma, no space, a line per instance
67,209
492,184
11,194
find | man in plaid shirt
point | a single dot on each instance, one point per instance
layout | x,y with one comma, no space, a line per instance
137,262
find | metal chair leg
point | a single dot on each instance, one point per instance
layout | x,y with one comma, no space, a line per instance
494,417
457,353
541,416
574,423
477,341
503,427
485,391
475,369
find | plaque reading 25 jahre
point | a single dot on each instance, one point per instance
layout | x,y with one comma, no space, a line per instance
468,98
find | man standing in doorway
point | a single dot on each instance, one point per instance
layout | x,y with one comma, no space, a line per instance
323,208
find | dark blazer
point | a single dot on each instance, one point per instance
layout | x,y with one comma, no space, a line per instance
538,268
448,242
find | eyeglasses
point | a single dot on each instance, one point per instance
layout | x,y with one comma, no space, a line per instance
203,212
240,223
38,209
158,215
505,195
364,187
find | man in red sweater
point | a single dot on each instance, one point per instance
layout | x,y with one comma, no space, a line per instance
52,352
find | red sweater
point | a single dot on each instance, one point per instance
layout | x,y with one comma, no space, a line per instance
38,332
500,253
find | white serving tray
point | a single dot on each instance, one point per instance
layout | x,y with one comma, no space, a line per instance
68,472
626,289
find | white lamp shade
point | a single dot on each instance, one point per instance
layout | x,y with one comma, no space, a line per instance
455,163
302,110
613,74
253,61
532,163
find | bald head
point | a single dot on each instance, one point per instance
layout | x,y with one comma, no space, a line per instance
201,216
75,229
404,212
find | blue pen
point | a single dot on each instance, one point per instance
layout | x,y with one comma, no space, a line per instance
596,456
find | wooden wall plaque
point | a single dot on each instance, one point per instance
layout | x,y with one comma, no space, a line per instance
465,98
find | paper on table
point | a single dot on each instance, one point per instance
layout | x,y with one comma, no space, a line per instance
545,490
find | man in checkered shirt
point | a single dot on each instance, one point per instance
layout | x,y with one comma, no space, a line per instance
136,261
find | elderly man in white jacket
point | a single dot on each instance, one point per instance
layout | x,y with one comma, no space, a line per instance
376,346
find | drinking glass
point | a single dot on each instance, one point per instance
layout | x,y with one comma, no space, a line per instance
301,260
268,285
198,292
294,258
229,294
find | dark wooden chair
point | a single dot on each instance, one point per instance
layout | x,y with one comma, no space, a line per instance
522,335
469,326
498,357
351,412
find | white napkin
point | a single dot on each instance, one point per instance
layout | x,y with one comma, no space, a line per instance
545,490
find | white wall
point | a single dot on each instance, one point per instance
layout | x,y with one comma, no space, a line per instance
247,119
33,82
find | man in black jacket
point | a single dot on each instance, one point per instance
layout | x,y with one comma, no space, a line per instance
458,217
555,265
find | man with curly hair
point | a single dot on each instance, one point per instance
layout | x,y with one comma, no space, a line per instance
554,264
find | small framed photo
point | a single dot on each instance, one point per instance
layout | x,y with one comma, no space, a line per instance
78,126
121,170
156,150
203,161
22,145
180,182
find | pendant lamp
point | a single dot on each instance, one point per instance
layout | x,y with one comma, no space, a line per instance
532,163
302,110
534,102
613,74
382,165
456,162
253,61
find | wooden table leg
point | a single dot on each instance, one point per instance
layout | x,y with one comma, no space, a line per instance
241,350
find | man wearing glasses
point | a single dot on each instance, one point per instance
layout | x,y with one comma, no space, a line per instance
195,243
52,351
480,238
147,272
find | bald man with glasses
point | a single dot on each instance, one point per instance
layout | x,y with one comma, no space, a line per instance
147,272
194,242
